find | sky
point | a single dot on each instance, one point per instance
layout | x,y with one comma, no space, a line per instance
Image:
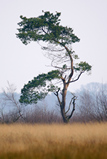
20,63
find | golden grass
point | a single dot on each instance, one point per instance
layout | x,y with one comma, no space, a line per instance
71,141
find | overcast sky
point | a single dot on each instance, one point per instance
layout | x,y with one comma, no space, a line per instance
20,63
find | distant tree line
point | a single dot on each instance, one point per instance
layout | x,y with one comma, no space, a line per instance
90,106
93,105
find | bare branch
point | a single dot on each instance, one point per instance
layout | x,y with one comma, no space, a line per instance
57,95
73,109
77,78
2,118
69,106
10,96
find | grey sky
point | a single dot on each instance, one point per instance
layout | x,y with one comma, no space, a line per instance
20,63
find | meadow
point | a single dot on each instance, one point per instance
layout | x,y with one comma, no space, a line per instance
53,141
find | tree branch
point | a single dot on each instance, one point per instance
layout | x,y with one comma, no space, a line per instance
10,97
57,95
77,77
69,106
74,98
71,59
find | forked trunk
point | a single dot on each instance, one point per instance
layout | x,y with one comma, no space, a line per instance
64,114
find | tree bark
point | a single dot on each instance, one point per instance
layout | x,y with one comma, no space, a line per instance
63,104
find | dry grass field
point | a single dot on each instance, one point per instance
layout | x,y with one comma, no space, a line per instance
54,141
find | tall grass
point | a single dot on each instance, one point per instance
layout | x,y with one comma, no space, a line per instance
44,141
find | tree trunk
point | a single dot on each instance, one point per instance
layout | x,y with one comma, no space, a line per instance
65,120
66,117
